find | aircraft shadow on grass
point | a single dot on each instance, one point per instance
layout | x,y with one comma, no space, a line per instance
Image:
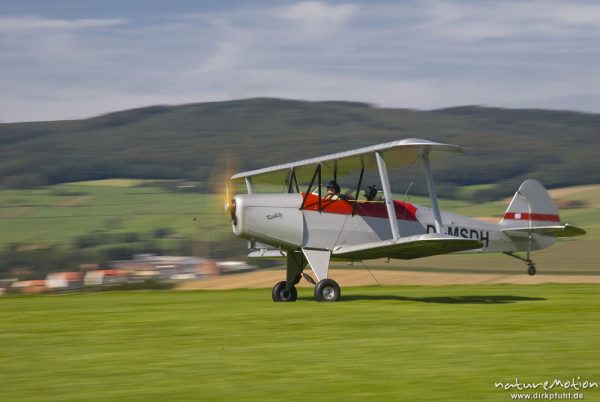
469,299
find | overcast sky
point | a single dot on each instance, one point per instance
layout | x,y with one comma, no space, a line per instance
70,59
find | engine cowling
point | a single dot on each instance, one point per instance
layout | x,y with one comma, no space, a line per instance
274,219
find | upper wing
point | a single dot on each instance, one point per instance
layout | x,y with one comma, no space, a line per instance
407,248
397,153
565,230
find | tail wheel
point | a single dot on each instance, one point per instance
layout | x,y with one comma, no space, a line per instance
327,290
280,294
531,269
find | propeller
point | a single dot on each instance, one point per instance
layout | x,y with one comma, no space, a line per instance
220,184
210,231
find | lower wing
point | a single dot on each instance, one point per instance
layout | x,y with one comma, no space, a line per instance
407,248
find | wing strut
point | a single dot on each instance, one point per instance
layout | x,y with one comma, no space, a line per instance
387,192
249,185
312,181
292,180
362,172
432,194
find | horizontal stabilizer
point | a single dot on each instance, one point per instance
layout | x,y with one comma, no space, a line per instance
565,230
267,254
407,248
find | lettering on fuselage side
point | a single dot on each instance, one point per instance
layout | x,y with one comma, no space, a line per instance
466,233
277,215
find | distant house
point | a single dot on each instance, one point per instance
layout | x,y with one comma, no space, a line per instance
5,284
234,267
102,277
162,267
36,286
64,281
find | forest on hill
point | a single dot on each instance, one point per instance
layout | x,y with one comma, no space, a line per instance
502,146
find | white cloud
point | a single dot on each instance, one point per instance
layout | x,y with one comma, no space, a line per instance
318,19
222,59
28,23
512,19
408,54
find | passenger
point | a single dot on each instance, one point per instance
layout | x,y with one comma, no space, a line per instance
371,193
333,191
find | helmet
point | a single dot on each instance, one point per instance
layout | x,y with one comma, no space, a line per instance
371,192
333,184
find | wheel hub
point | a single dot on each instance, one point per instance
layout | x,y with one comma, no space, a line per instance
328,292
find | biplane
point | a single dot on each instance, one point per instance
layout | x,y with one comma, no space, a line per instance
300,223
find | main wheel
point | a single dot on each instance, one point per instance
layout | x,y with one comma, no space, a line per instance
327,290
281,295
531,270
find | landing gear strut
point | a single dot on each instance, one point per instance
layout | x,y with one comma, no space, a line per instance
530,264
326,290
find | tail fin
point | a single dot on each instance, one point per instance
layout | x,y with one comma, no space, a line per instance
531,207
532,210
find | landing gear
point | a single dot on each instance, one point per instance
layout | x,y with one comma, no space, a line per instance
280,294
530,264
327,290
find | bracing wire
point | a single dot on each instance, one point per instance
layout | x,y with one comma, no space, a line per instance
370,273
401,176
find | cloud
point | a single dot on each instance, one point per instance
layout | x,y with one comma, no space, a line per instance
512,20
222,59
28,23
318,19
415,54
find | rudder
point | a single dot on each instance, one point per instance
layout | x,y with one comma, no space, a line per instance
531,206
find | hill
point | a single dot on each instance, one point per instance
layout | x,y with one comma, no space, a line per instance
502,146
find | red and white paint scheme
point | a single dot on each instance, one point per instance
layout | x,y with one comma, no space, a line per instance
303,226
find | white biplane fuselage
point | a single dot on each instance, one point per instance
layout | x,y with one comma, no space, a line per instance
308,229
278,220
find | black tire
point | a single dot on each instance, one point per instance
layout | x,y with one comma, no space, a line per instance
279,293
531,270
327,290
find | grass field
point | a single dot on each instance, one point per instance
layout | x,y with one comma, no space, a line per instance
59,214
62,212
448,343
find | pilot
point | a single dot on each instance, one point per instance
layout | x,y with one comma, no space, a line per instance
371,193
333,191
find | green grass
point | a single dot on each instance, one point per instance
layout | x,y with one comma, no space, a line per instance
377,344
58,214
113,182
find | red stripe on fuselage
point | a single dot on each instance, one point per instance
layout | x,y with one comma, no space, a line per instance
525,216
404,210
